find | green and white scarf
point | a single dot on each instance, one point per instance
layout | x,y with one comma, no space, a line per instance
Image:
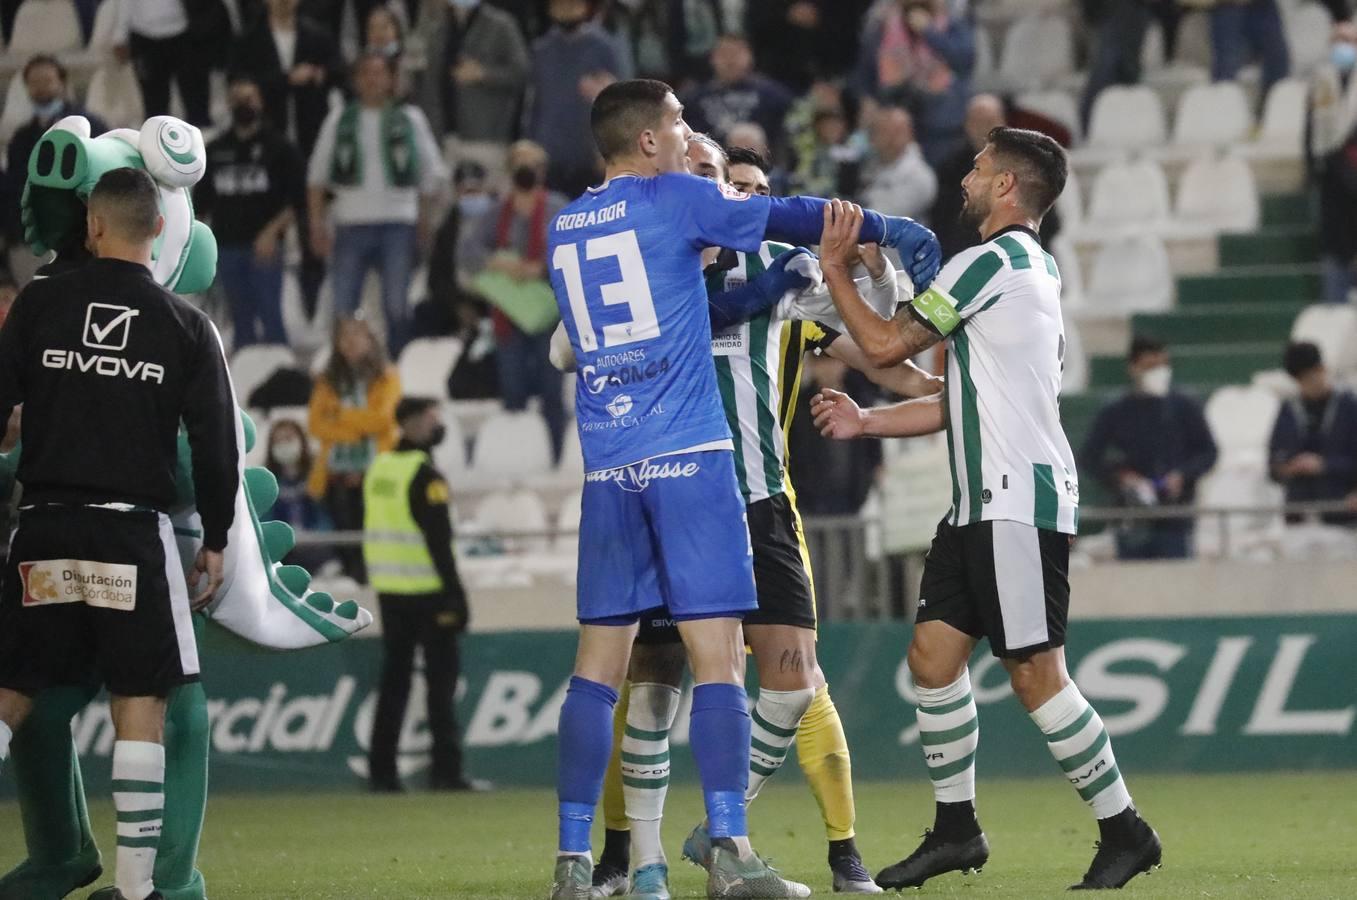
400,155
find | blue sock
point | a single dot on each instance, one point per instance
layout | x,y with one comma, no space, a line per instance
719,733
584,744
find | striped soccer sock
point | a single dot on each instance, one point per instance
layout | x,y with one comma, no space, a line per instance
1081,746
139,798
775,718
645,766
949,732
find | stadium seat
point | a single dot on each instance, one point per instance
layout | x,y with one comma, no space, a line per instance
516,512
1308,34
449,457
1126,118
1131,274
1245,535
1074,371
572,455
1212,115
984,74
568,523
1333,328
1219,194
44,26
512,447
1128,197
1071,271
1070,203
1282,131
251,366
1054,104
1037,51
18,109
1241,421
115,96
102,38
425,365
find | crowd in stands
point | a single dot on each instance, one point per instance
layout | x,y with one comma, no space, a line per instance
430,143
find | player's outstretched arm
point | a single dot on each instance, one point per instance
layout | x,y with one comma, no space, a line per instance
885,342
905,379
839,417
741,304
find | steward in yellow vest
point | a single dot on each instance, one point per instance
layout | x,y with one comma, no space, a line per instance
407,544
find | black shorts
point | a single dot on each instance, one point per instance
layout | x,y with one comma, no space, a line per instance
1002,580
781,574
95,596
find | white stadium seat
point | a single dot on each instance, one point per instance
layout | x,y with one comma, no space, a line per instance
1308,34
1070,203
512,447
1282,131
1333,328
44,26
251,366
425,365
509,513
1219,194
1239,484
102,37
1057,105
1241,420
984,73
449,457
1129,196
115,96
1038,51
1126,118
1071,271
18,109
568,522
1212,115
1074,372
1131,274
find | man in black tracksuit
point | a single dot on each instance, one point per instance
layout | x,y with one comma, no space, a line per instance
107,363
407,546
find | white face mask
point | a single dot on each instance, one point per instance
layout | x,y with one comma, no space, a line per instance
288,453
1156,381
464,4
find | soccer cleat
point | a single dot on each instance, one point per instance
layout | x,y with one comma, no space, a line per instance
935,856
608,881
850,876
27,880
650,883
112,893
731,876
697,848
572,880
1122,857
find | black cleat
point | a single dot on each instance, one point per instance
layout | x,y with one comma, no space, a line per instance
936,855
1129,846
609,880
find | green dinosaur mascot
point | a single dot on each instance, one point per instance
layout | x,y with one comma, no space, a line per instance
261,600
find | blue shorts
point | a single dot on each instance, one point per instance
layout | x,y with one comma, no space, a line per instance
669,530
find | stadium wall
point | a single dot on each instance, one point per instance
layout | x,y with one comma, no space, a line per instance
1190,694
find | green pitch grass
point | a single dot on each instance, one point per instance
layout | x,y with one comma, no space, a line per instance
1292,836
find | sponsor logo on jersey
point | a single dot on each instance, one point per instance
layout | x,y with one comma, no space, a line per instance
637,477
732,193
621,418
619,406
733,341
105,585
107,326
986,495
624,374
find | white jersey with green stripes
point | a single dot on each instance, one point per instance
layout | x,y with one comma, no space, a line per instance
748,364
998,306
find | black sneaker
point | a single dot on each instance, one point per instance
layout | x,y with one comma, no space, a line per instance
936,856
1129,846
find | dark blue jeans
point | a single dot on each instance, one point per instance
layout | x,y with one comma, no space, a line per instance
525,371
255,292
1241,31
388,247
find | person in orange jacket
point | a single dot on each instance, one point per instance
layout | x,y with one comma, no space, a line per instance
353,415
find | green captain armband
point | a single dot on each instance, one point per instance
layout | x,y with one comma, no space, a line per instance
938,310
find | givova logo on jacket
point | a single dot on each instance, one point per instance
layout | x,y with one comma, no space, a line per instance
108,327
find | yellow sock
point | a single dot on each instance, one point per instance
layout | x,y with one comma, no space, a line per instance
614,806
822,750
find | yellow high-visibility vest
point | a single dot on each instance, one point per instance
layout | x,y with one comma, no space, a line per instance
397,556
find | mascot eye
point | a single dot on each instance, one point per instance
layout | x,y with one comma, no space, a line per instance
173,151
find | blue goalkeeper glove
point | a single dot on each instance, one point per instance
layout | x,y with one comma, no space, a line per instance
919,249
748,300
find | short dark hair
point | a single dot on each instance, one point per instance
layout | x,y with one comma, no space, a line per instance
44,59
1144,345
1301,357
411,407
624,109
746,156
1038,162
129,200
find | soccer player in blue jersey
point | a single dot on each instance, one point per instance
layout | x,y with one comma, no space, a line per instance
663,520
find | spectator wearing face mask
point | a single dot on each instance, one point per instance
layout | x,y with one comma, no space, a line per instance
513,239
1331,161
473,84
574,61
44,79
1150,446
255,182
1313,449
289,459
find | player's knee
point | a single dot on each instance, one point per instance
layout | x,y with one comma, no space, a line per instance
1036,679
930,667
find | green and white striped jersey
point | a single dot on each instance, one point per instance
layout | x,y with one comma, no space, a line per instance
998,306
758,365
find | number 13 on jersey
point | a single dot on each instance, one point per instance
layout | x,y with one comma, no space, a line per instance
633,290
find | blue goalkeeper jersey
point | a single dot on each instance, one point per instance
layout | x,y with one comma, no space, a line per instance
625,264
